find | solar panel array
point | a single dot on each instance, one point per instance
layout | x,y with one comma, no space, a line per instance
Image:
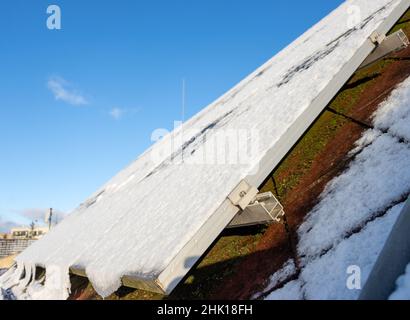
150,224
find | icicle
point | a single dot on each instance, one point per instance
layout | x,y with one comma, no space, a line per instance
20,283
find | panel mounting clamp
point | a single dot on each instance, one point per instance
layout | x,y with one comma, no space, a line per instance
243,195
377,38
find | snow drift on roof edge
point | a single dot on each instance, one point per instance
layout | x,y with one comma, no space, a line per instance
139,221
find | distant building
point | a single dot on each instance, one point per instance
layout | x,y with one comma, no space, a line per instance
19,239
5,236
28,233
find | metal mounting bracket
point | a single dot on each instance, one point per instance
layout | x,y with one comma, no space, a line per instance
255,208
385,45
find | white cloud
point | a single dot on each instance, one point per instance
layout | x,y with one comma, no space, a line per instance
26,216
37,214
63,91
5,226
32,214
117,113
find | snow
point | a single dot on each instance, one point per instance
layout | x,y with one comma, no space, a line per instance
287,271
6,295
396,121
138,222
373,182
358,209
325,278
402,291
291,291
392,119
18,283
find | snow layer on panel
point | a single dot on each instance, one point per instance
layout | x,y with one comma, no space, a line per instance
402,291
140,220
20,282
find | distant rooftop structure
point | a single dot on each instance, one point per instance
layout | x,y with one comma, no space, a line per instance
18,239
28,233
4,236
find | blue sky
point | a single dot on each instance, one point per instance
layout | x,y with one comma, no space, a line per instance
79,104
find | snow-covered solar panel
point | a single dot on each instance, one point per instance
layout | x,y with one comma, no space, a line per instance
149,225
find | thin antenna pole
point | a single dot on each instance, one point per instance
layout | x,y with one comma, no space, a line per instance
183,113
50,217
183,100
